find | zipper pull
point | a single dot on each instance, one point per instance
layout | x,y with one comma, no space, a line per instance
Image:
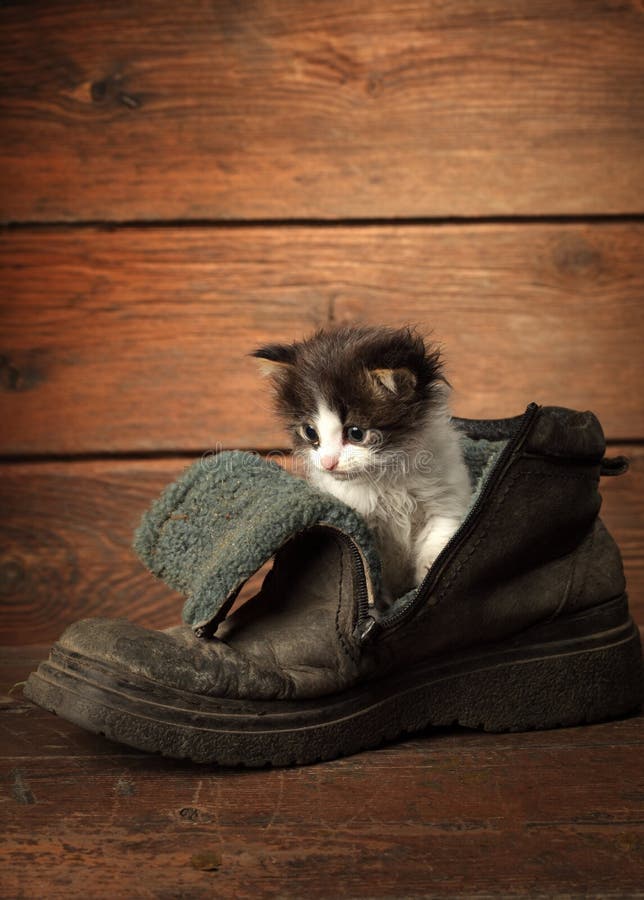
367,630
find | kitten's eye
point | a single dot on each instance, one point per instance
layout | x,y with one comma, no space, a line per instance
310,434
356,435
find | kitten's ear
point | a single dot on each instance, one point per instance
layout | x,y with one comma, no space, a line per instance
395,381
275,359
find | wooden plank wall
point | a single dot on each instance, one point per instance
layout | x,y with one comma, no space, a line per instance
179,183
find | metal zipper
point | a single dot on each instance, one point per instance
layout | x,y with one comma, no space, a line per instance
368,627
361,590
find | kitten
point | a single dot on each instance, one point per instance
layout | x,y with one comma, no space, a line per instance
367,408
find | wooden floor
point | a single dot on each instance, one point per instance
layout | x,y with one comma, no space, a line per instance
450,813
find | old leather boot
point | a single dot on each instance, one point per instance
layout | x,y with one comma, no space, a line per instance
521,623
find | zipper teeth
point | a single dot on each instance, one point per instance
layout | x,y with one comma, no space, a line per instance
393,621
363,594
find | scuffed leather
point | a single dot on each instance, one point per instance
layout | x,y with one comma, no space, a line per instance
598,571
519,565
294,639
567,434
536,552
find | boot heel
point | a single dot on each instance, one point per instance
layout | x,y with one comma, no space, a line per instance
561,687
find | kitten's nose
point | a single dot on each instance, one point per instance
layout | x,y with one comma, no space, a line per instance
329,462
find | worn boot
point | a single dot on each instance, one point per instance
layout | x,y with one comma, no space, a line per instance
521,623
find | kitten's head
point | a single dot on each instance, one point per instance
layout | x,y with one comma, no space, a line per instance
355,398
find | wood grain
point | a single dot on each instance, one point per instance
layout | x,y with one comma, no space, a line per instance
66,531
135,340
114,111
455,813
66,547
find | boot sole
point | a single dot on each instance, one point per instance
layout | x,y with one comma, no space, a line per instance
518,688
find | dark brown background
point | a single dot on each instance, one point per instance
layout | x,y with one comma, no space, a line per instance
180,182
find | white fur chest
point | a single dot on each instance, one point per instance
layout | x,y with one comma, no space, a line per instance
390,510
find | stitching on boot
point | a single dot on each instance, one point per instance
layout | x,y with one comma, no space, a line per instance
461,563
567,592
572,476
579,572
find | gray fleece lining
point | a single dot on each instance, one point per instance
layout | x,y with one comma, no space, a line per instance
226,515
480,456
